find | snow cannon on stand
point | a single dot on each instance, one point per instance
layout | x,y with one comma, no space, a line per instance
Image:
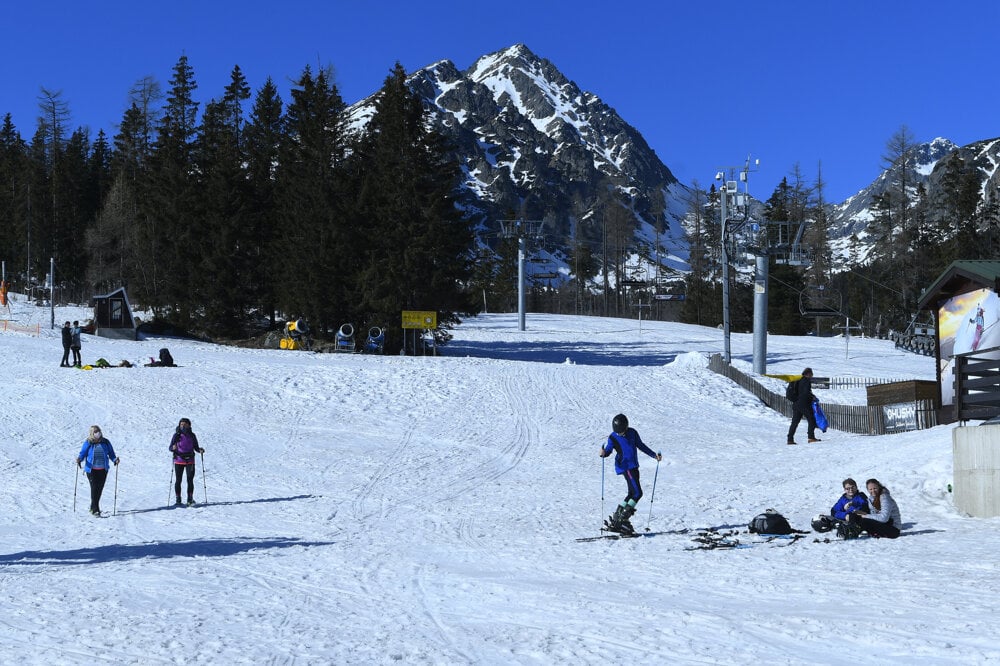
295,334
345,338
375,343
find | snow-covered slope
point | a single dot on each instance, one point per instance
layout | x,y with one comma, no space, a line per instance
377,510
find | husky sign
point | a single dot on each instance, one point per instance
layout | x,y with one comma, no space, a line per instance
900,417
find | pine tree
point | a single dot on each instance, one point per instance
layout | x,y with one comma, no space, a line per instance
170,204
313,261
13,197
223,251
263,138
416,249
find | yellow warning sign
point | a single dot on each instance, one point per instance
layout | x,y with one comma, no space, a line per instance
419,319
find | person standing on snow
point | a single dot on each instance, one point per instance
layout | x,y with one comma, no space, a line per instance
98,454
803,406
184,444
626,443
67,342
75,343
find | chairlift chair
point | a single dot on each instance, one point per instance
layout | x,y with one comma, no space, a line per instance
816,301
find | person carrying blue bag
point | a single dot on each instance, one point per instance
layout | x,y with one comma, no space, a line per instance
802,399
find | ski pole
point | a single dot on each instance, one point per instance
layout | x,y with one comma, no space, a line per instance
76,480
114,505
652,494
603,460
171,489
203,484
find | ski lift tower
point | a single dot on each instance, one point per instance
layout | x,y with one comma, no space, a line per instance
734,208
523,231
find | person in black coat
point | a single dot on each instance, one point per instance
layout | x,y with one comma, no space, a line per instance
67,340
803,406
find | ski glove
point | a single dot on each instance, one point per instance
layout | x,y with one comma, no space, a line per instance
117,460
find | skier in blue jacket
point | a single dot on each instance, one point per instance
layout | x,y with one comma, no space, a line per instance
626,443
98,454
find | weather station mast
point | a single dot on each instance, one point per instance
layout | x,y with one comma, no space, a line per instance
523,231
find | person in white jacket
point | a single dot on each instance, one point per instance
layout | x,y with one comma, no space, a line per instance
882,518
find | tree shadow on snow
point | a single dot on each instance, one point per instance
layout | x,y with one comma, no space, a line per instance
153,550
581,353
172,507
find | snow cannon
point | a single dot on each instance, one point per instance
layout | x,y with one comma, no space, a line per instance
294,332
345,338
375,344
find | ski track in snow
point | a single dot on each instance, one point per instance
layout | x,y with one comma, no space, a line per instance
384,510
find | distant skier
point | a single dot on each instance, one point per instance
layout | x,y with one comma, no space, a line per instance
980,322
99,455
184,444
626,443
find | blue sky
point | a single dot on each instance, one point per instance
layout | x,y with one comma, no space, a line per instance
707,84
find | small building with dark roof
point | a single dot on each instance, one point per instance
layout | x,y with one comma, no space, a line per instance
113,316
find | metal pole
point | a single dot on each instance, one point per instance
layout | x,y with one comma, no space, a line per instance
652,495
204,485
760,315
603,459
52,292
726,354
521,242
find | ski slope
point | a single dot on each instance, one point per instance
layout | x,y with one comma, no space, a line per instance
424,510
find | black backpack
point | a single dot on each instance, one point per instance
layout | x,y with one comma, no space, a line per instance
770,522
792,390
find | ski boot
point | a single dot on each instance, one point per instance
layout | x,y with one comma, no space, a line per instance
190,501
614,522
626,527
177,502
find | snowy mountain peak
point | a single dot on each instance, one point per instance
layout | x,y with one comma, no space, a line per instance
531,141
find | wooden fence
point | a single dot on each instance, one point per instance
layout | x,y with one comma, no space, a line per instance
858,419
977,384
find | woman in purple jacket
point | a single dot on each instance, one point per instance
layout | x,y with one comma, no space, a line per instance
184,444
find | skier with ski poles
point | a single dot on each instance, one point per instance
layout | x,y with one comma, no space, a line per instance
626,444
98,454
184,444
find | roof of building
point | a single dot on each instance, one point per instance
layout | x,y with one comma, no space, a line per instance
955,280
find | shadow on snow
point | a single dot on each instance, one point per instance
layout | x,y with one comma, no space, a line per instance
173,507
154,550
580,353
